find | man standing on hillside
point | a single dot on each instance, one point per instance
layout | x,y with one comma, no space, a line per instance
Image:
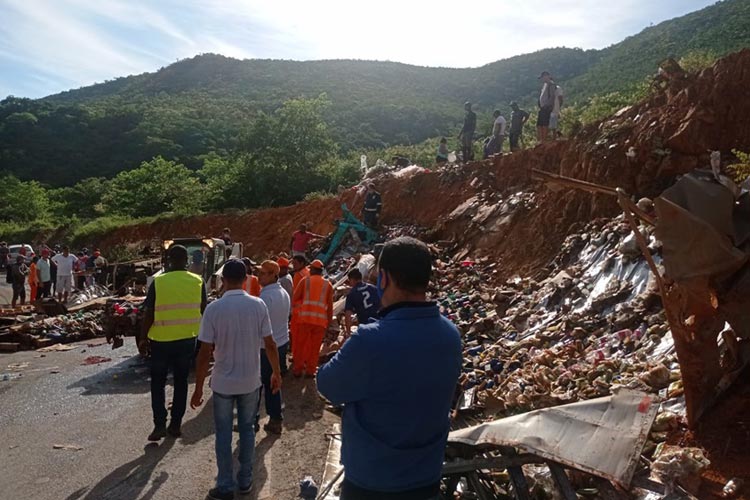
278,303
546,102
301,238
372,207
396,404
499,126
233,330
64,263
173,307
518,119
313,309
466,136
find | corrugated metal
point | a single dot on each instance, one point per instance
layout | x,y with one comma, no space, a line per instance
602,436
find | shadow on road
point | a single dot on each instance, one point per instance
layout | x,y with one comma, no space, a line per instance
131,376
260,472
302,402
131,479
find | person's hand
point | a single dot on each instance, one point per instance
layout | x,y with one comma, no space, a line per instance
275,382
197,398
144,347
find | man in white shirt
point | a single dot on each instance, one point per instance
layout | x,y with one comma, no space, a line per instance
64,282
232,330
278,303
498,133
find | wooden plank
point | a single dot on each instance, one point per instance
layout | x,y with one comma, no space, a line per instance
9,346
520,486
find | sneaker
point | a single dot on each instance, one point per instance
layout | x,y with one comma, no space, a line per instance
159,432
245,490
174,430
273,426
217,494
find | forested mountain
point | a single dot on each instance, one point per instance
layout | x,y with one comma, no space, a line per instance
202,105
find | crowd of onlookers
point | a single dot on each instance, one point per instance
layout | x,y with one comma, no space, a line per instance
50,271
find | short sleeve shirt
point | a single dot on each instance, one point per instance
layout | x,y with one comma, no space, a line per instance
44,270
364,301
64,264
301,239
235,324
278,303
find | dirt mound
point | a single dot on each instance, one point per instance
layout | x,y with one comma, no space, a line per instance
507,216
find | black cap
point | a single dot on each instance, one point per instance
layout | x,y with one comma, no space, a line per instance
177,252
544,73
234,270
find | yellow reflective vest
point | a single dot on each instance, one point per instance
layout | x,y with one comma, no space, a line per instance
177,312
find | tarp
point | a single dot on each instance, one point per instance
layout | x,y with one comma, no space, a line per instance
603,436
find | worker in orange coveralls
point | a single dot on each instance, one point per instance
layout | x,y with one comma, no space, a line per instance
301,271
313,310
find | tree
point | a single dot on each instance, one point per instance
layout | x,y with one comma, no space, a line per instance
22,202
156,187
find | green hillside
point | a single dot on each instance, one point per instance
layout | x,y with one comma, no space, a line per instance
203,105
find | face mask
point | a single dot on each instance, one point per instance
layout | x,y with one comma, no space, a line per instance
379,285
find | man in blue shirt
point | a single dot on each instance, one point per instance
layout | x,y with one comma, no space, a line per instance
396,379
362,300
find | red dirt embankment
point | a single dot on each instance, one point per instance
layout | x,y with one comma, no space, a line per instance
670,133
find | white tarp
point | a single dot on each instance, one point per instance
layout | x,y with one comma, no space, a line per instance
603,436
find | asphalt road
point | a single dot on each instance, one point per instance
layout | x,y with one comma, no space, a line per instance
49,399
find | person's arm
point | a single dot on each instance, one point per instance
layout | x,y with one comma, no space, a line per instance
348,322
148,320
272,353
524,118
202,363
346,377
204,297
329,302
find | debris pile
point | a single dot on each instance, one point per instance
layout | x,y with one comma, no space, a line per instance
38,331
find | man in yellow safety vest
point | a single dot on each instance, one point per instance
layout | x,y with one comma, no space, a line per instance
173,308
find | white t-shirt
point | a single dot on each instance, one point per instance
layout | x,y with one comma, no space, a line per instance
278,304
498,128
64,264
236,325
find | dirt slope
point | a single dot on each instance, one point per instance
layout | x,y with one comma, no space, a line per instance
513,219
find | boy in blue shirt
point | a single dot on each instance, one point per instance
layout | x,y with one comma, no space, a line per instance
396,378
362,300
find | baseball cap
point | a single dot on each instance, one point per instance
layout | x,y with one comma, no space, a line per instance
249,262
544,73
177,252
234,270
317,264
283,262
269,266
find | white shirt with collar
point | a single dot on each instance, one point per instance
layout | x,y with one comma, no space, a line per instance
278,303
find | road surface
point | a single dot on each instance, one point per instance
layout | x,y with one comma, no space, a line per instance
49,399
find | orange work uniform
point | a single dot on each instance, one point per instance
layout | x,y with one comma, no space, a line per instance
33,281
252,285
296,278
313,306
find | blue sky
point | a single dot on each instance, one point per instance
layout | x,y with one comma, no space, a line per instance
47,46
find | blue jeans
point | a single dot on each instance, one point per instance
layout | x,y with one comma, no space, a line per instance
273,401
247,408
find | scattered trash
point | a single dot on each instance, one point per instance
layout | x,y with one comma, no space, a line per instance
307,488
732,488
93,360
675,465
71,447
57,348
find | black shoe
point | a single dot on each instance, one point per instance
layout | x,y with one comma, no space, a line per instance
159,433
245,490
217,494
174,430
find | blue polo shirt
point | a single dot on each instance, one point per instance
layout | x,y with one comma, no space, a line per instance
396,379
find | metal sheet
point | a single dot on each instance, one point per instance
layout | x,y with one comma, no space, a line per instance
603,436
333,466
